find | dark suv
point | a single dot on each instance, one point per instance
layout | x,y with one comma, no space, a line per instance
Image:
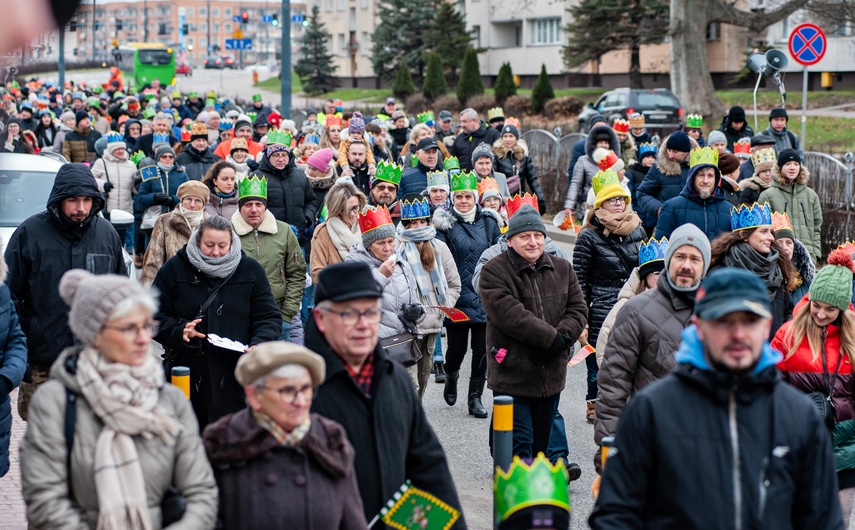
661,109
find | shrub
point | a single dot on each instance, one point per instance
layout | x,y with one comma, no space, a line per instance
403,86
542,91
415,104
517,106
434,84
470,83
482,103
563,107
447,102
505,86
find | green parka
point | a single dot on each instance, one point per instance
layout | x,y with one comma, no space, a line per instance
801,203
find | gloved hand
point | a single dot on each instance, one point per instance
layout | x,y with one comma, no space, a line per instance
162,198
541,206
107,187
560,344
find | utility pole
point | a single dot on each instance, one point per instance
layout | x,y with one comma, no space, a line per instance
285,69
93,30
61,61
210,46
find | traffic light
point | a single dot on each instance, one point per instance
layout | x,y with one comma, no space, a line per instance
275,20
244,17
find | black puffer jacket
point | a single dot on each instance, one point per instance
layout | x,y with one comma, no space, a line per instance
603,264
465,143
196,163
517,162
289,195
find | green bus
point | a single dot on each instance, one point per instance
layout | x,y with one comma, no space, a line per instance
143,61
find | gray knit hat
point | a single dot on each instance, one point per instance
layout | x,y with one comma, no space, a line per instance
481,150
716,136
380,232
689,234
526,219
92,298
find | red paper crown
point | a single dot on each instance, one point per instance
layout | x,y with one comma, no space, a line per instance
185,136
372,218
333,120
608,161
518,201
849,247
742,148
621,126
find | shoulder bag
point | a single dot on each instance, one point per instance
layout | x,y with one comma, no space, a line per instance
402,347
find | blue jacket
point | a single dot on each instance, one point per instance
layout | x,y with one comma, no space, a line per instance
664,181
414,179
13,364
711,215
165,183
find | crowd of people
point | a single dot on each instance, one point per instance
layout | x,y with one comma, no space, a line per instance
305,276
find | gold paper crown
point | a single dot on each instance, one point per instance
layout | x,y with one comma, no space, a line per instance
636,120
703,155
279,137
763,156
781,221
198,129
495,113
694,121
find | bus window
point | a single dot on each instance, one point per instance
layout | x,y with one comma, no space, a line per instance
155,57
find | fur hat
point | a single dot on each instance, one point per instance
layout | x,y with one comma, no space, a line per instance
727,163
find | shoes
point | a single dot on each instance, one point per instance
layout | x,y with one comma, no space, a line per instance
138,261
590,413
439,372
449,393
573,471
476,389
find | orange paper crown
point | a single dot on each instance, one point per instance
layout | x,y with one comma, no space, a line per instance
512,121
636,120
849,247
781,221
518,201
742,148
487,184
333,120
372,218
608,161
621,126
185,136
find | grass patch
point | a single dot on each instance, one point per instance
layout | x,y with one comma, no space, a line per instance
769,98
273,84
826,134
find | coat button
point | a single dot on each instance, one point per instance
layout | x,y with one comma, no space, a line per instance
300,480
270,479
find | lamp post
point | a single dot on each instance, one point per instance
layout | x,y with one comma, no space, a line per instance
209,27
285,70
145,20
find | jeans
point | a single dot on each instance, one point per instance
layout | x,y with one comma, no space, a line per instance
457,335
308,293
533,425
438,357
593,370
286,332
558,447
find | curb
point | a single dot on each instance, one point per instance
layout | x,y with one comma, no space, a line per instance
559,235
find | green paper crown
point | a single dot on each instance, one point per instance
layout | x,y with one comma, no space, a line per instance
464,181
451,163
253,186
256,97
425,117
604,178
279,137
137,157
694,121
524,485
387,172
703,155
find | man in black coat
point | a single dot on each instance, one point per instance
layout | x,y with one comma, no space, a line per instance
160,124
289,195
68,235
475,132
370,395
722,442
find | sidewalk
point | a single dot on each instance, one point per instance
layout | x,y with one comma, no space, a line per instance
12,509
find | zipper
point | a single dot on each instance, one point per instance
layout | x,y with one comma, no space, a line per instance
764,484
734,447
257,245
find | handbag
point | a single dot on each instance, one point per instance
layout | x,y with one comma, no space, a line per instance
402,347
822,400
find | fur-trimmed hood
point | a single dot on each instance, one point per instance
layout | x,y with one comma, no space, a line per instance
667,167
802,262
242,228
801,179
519,150
591,143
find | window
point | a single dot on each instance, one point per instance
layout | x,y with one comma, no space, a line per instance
476,36
714,31
365,44
203,27
363,4
227,12
342,48
215,12
341,5
227,27
328,5
351,19
546,31
203,12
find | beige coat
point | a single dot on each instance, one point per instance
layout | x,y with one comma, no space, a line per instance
171,232
434,317
43,461
120,174
323,251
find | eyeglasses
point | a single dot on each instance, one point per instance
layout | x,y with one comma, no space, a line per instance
289,394
132,330
354,210
167,157
386,187
614,201
192,201
350,317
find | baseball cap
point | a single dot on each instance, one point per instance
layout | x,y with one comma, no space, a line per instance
427,143
390,100
730,290
445,115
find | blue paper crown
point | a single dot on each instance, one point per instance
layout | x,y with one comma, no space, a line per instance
226,126
162,138
312,139
645,148
114,137
743,217
652,250
418,209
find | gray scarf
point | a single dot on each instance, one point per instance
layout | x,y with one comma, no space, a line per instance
743,256
214,267
410,252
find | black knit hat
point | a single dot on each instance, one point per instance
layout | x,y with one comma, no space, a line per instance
79,116
736,113
512,129
679,141
649,267
788,155
778,113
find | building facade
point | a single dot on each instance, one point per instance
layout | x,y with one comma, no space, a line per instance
350,24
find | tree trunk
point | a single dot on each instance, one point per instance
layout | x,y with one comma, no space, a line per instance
690,74
635,66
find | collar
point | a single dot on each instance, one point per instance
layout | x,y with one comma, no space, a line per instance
520,264
242,228
288,439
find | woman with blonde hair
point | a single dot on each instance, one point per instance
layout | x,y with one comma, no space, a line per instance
819,352
331,135
335,237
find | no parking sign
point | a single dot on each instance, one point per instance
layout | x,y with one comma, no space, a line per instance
807,44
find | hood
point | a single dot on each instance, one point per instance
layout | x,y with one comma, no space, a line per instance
494,214
591,144
689,190
519,150
691,352
75,180
59,369
265,166
801,179
667,167
802,262
442,219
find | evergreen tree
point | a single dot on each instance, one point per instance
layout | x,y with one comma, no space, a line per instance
434,85
542,91
402,37
315,66
403,86
450,38
505,86
470,77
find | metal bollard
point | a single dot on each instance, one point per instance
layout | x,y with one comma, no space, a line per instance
181,379
608,443
503,437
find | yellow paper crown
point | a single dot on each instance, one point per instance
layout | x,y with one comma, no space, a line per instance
495,113
764,156
703,155
636,120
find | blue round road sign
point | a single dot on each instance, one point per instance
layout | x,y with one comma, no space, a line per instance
807,44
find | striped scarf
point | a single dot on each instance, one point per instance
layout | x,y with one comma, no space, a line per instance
410,252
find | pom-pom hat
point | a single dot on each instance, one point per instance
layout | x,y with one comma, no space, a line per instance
833,283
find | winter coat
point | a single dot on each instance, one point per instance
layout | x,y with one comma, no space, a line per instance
629,289
43,459
585,168
784,140
803,206
360,177
18,145
516,162
324,252
527,307
576,153
223,206
80,147
171,232
255,473
467,242
729,189
434,317
732,135
635,176
164,183
549,247
59,139
603,264
13,364
243,310
665,180
465,143
679,443
711,215
414,179
196,163
119,173
275,246
746,170
389,431
43,248
101,124
804,371
750,190
145,143
130,142
46,135
289,196
398,289
628,151
806,269
639,349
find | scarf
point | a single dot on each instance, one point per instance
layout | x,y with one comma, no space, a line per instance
621,224
192,217
343,237
743,256
165,168
239,168
288,439
222,195
410,252
214,267
125,399
763,185
469,216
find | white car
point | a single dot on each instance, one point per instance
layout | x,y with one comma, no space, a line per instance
25,185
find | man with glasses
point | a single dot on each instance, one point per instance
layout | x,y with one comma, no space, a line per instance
370,395
474,133
385,193
161,124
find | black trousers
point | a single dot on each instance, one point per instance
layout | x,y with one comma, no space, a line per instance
457,337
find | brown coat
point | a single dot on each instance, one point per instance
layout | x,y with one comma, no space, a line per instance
526,308
323,251
266,485
171,232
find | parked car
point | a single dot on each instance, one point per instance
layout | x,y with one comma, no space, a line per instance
662,111
182,68
214,61
229,61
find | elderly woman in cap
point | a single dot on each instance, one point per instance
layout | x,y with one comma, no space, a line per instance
221,180
334,238
172,231
276,441
107,437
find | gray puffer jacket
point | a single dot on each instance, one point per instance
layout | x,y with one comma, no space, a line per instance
399,289
43,460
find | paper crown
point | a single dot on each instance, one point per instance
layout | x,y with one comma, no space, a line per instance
781,221
437,179
333,120
495,113
374,217
464,181
137,157
694,121
524,485
636,119
703,155
418,209
451,164
212,94
621,126
849,247
192,94
762,156
185,136
387,172
518,201
198,129
279,137
176,95
226,126
513,121
652,250
743,217
647,147
256,97
604,178
742,147
608,161
252,186
487,184
159,138
114,137
238,143
250,115
425,117
312,139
